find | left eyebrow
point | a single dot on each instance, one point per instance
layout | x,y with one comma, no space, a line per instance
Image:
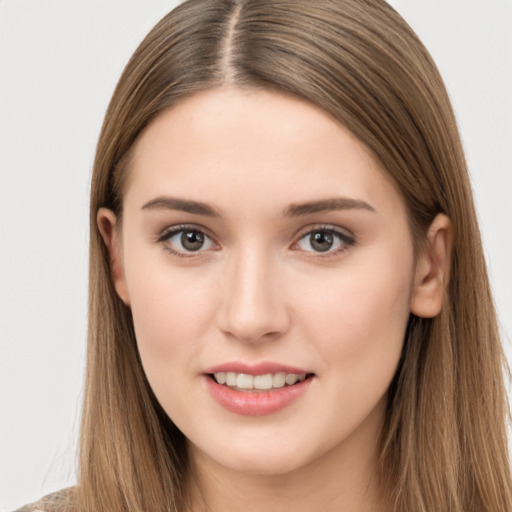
327,205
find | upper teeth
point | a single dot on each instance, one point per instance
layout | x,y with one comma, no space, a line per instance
268,381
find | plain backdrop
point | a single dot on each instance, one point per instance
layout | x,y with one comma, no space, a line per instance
59,62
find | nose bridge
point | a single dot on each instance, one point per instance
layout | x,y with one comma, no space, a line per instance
253,306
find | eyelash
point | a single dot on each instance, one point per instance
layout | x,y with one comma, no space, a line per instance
175,230
346,241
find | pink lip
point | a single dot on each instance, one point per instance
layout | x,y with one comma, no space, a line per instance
255,369
255,403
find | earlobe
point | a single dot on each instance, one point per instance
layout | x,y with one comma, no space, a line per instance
107,221
433,269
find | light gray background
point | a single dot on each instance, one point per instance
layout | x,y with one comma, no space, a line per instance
59,62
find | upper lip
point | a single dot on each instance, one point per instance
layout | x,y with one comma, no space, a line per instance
262,368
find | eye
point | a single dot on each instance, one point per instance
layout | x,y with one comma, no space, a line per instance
324,240
184,241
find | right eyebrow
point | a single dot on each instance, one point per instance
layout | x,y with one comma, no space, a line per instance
182,205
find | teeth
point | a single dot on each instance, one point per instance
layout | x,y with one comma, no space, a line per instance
291,379
262,382
244,381
221,377
278,380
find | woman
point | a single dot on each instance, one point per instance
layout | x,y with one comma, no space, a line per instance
289,306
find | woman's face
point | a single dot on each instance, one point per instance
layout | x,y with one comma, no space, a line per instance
261,240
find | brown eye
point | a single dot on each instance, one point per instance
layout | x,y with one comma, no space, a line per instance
184,241
324,240
192,240
321,241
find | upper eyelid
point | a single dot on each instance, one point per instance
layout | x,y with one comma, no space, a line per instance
344,232
172,230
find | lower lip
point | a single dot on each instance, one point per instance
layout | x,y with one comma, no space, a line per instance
256,403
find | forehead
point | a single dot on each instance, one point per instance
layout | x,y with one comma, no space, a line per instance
264,146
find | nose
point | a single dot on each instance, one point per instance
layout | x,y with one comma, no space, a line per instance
253,306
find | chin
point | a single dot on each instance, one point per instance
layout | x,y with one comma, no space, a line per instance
260,458
263,464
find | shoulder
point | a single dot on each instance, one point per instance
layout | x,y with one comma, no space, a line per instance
31,507
50,502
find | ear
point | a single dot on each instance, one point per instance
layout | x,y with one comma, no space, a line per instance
107,221
433,269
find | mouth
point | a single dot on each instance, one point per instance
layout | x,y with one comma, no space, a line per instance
257,389
247,382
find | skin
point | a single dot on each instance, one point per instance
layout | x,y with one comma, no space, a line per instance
259,291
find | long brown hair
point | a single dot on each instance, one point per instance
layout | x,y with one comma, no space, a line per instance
444,445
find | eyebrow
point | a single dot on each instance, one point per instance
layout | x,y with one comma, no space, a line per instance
183,205
327,205
294,210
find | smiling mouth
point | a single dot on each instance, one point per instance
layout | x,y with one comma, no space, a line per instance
254,383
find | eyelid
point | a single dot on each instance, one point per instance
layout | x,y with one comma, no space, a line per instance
347,238
343,232
170,231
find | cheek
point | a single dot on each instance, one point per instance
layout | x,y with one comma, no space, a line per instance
360,324
171,315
